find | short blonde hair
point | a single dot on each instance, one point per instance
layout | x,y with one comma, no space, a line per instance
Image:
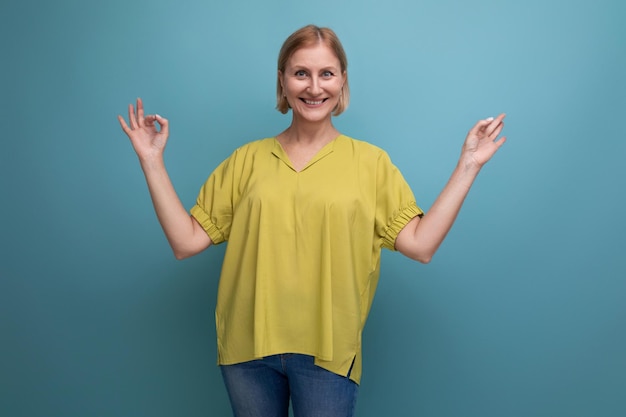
308,36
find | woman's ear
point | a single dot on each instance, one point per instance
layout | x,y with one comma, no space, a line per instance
280,79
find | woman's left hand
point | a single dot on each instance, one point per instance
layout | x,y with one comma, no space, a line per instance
481,144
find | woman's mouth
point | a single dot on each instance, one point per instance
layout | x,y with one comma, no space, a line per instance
313,102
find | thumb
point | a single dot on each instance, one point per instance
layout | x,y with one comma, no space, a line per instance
163,123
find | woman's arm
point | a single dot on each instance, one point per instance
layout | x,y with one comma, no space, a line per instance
183,232
421,237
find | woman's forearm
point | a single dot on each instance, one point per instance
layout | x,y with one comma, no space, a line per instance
185,236
427,233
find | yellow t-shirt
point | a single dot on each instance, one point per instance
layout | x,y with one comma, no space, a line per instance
303,255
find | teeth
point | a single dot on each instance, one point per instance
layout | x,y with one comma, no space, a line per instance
313,102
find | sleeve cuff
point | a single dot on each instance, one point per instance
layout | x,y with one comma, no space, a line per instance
401,219
209,227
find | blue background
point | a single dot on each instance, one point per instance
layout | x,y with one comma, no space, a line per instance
521,313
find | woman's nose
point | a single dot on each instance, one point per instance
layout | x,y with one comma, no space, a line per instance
314,86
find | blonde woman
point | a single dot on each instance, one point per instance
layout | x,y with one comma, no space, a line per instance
306,214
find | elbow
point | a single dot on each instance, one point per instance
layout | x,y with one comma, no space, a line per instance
422,256
186,251
423,259
190,247
181,254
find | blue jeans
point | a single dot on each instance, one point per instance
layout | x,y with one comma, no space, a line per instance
263,387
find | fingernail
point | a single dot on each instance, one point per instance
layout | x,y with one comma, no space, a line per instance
489,119
157,116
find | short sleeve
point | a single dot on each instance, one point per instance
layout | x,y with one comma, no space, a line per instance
395,202
214,204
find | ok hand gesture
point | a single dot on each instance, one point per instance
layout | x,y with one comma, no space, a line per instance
148,141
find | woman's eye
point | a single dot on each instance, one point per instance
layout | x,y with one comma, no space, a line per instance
327,74
301,73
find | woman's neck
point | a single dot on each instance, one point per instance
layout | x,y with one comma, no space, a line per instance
308,133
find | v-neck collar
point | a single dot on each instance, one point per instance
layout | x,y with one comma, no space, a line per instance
280,153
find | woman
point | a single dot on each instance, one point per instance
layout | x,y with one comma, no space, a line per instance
306,215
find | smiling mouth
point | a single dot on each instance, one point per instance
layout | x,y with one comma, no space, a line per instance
313,102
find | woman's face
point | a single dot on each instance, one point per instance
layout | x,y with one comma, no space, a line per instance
312,82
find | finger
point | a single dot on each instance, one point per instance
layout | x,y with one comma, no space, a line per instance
163,122
480,126
500,142
131,117
140,118
496,124
125,127
149,120
494,134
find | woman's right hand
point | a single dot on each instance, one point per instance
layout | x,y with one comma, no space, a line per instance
148,141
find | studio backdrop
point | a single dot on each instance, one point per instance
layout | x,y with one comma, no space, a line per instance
521,313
